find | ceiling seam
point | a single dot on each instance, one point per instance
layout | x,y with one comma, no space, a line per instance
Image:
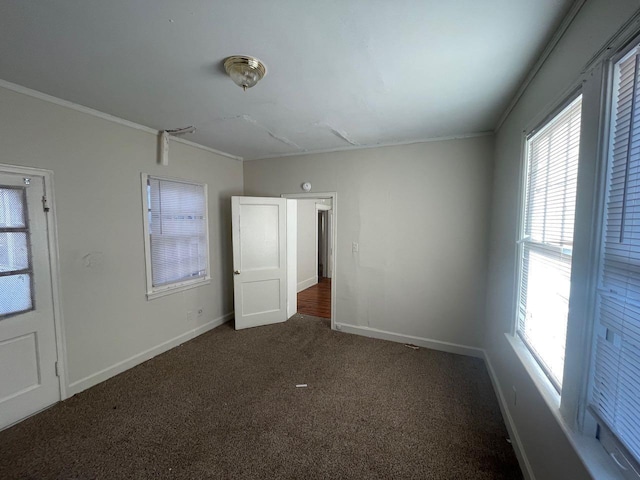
378,145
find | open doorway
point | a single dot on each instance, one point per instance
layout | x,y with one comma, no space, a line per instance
315,260
313,257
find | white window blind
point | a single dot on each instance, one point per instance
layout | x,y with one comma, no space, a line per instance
177,231
615,393
547,243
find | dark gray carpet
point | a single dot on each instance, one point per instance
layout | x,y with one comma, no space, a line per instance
225,405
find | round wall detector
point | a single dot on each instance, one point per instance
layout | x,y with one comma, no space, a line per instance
306,186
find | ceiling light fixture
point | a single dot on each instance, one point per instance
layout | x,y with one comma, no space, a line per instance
245,71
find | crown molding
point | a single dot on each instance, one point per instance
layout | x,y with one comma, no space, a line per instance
105,116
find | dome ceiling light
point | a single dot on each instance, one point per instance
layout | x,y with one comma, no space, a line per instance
245,71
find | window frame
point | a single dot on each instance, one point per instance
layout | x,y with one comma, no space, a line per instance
179,286
595,82
616,449
527,351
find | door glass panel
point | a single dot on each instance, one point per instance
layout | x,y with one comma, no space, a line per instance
12,207
15,294
14,254
16,273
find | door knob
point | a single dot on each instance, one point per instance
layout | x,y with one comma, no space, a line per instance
237,272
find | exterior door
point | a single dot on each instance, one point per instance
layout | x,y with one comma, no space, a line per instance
259,260
28,380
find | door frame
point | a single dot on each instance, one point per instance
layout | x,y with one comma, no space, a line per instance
54,265
334,236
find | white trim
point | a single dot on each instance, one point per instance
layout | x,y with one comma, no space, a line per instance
119,367
550,112
518,448
334,241
203,147
625,34
176,286
105,116
56,282
74,106
519,234
420,341
535,371
54,263
537,125
592,174
555,39
619,40
377,145
599,161
588,449
309,282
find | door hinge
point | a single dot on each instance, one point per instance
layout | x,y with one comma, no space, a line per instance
57,369
45,203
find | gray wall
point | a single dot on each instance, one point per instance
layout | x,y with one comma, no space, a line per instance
549,451
97,165
420,214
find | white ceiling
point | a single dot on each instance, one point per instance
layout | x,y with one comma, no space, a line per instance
341,73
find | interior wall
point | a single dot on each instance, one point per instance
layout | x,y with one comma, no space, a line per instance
109,324
419,214
307,259
549,451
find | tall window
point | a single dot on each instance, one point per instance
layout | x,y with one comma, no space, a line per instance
547,238
177,234
615,392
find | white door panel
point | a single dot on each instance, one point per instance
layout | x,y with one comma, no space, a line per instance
259,260
260,297
259,246
28,380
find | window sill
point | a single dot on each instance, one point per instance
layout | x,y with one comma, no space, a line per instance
589,450
177,288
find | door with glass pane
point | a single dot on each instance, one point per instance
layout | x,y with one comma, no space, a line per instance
28,380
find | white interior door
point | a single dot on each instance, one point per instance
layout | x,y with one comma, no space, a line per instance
259,260
28,380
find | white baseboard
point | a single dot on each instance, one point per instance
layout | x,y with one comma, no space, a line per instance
419,341
104,374
525,466
309,282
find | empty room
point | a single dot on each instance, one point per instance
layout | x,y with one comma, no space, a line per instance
323,240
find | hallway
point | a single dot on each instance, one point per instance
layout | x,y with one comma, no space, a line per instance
316,300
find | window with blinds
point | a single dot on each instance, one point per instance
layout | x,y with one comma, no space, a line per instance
615,389
177,233
547,238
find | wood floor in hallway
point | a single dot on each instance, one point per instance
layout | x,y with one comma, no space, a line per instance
316,300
